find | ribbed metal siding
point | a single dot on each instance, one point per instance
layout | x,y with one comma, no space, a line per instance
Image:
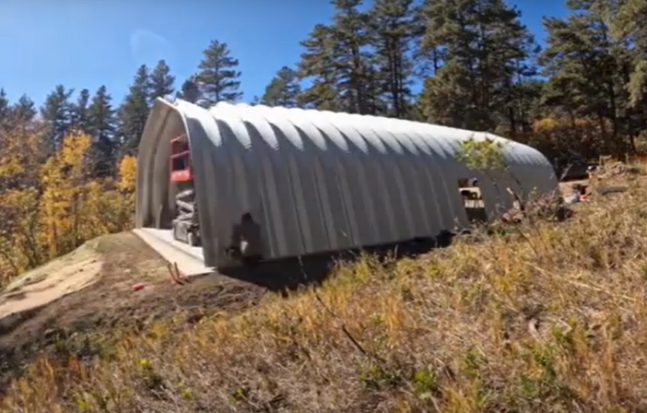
320,181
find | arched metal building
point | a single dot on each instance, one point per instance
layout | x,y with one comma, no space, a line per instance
318,181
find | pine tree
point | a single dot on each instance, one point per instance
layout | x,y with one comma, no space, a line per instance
5,109
57,112
629,27
80,111
24,110
161,81
483,53
102,126
339,63
283,89
586,72
315,65
190,90
219,74
133,113
356,77
394,29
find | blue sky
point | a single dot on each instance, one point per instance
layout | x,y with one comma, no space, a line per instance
84,44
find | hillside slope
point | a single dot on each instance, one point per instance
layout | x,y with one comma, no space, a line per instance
90,290
540,317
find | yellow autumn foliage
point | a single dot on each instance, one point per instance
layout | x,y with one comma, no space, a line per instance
23,150
128,174
50,209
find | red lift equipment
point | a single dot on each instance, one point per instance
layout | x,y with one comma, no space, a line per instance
185,224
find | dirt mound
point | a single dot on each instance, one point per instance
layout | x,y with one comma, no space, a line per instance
51,282
107,270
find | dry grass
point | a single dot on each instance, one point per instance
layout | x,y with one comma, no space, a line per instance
551,318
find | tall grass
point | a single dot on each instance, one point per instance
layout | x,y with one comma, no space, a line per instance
550,318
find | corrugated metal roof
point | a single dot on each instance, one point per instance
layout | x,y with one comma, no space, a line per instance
319,180
360,130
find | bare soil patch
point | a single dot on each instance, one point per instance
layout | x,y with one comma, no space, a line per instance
46,310
50,286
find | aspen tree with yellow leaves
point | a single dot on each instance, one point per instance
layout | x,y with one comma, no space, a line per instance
128,174
50,202
127,184
64,191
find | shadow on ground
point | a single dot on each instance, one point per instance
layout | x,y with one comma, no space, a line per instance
291,273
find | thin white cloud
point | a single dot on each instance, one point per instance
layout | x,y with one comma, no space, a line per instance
149,47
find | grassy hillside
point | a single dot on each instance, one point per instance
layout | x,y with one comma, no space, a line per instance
543,317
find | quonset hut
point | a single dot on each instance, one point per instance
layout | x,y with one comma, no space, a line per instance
318,181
